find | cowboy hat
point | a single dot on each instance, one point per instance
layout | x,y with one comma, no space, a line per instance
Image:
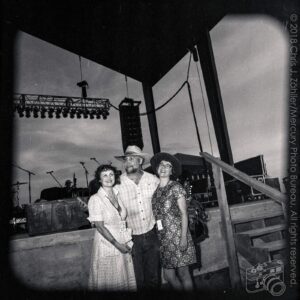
134,151
158,157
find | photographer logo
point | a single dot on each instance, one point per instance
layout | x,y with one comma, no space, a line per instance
267,276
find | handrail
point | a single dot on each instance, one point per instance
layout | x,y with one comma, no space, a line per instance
243,177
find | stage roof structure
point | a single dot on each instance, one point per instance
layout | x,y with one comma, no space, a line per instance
142,39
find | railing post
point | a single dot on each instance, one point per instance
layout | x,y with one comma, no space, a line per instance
234,271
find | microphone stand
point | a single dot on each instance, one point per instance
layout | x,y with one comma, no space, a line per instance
29,175
50,173
86,173
94,159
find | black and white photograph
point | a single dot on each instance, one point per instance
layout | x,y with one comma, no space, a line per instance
150,149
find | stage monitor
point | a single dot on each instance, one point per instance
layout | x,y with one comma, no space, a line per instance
253,166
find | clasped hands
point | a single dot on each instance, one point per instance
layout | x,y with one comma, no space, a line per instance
123,248
183,244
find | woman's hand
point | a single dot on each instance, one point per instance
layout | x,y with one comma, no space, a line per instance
123,248
183,243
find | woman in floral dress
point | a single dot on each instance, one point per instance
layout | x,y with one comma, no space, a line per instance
169,208
111,262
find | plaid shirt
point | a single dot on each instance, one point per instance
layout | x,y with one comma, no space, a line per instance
137,200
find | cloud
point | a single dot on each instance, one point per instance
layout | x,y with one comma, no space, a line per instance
251,59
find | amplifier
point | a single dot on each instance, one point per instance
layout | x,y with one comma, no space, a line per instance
206,199
253,166
273,182
238,192
55,216
199,186
261,179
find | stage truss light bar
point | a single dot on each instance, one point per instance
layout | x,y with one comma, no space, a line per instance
33,104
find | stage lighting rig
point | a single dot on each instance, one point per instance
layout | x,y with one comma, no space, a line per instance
47,105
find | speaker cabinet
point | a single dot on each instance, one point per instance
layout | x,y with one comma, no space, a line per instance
131,129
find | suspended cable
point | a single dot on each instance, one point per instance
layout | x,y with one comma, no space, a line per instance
194,116
126,86
167,101
188,70
80,67
113,106
205,110
159,107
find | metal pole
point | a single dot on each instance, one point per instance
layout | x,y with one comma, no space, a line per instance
86,173
195,121
50,173
29,187
94,159
214,96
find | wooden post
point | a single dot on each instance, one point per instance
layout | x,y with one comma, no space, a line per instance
227,226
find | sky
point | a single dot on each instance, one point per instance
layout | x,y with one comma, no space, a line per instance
251,55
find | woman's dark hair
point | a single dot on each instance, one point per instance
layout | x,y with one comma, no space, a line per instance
103,168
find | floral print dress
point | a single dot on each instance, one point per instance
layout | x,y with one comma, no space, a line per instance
166,209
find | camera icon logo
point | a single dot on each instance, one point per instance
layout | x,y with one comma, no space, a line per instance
267,276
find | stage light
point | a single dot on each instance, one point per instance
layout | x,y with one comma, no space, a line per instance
43,113
105,114
92,114
85,114
27,112
57,113
78,114
35,112
98,113
50,113
20,112
65,112
72,113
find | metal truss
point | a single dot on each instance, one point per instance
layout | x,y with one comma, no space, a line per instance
32,104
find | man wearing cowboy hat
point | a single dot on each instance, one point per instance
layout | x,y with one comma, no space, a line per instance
136,190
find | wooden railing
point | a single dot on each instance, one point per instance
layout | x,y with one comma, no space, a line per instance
218,166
